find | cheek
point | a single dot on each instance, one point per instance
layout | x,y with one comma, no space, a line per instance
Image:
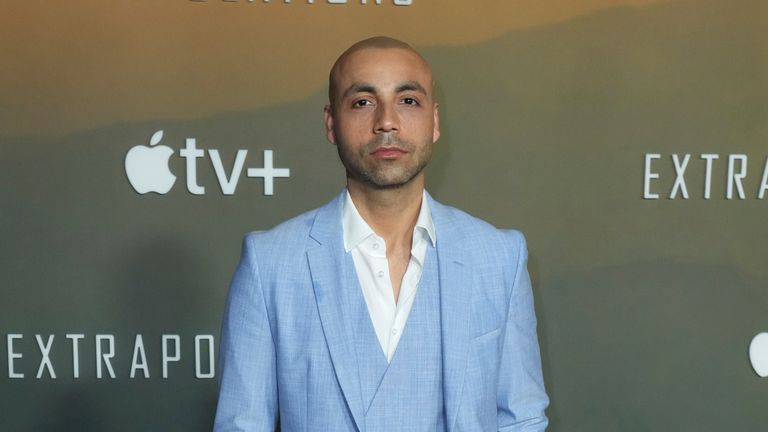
423,122
351,129
423,132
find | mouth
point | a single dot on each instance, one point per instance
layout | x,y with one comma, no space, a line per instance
388,152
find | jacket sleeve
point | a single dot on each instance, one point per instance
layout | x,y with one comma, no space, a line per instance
521,398
248,382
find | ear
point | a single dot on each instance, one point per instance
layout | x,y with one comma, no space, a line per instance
436,129
328,118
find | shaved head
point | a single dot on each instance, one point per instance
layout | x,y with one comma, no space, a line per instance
376,42
381,115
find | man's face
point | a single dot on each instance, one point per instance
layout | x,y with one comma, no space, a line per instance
384,119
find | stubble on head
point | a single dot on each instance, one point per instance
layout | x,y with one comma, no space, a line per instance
376,42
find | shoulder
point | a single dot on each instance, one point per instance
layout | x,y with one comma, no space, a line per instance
282,246
292,232
497,257
473,230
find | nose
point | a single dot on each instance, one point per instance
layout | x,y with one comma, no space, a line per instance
387,119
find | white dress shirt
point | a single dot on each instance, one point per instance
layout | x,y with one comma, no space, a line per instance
369,252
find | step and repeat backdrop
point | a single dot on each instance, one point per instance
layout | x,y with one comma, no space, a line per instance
140,140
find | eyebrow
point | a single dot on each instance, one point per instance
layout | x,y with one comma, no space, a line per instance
370,88
411,86
359,88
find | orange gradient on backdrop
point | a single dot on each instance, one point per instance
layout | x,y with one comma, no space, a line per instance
81,64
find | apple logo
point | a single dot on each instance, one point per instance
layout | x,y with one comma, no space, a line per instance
758,354
147,166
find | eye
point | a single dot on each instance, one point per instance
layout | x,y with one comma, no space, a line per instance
410,101
361,103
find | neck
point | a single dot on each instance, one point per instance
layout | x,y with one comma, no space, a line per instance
391,213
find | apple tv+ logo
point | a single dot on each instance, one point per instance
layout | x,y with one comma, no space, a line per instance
148,171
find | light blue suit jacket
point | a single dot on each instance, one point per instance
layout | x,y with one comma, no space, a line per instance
286,344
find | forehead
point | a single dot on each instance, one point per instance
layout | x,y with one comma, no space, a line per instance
382,67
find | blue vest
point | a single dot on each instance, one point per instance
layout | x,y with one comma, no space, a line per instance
405,395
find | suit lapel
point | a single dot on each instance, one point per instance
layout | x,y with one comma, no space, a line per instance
455,297
335,300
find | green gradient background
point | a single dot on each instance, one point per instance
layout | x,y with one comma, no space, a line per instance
646,308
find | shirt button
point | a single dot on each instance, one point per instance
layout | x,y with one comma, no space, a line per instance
381,273
394,332
375,246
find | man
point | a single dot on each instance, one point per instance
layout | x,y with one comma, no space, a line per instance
315,337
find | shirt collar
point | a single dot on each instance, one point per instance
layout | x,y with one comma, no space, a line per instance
424,221
356,229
